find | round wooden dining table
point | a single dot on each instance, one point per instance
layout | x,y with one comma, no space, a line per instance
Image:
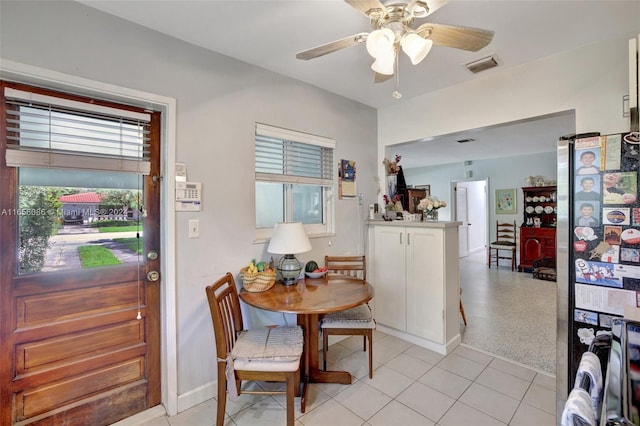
309,299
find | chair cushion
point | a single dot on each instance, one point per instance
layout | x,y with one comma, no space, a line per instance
264,345
349,324
505,244
358,317
262,365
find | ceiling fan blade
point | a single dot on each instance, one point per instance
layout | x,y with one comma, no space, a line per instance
465,38
366,6
343,43
381,78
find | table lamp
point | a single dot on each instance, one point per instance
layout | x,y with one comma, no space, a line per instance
289,238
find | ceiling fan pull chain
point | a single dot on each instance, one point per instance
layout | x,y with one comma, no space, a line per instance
396,92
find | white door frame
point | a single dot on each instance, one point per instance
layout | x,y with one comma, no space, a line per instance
480,224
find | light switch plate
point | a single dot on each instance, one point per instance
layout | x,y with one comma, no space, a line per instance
194,228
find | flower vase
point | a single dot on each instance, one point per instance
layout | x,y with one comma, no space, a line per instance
392,185
430,215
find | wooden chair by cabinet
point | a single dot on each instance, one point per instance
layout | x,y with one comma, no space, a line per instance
505,242
356,321
280,349
464,317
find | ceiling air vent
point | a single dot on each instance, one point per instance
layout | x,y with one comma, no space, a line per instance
482,64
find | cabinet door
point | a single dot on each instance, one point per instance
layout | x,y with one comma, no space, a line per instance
532,250
389,276
425,283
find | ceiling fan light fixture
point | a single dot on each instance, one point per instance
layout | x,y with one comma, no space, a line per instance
415,47
420,9
384,64
380,42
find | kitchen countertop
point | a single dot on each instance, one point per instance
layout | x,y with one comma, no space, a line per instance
439,224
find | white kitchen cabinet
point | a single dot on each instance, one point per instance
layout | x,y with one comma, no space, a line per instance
415,274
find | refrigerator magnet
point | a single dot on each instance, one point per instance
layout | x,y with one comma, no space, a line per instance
616,215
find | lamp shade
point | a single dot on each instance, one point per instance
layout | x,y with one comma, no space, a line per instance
380,41
289,238
384,63
415,47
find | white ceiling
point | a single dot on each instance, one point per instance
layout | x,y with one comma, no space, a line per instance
269,33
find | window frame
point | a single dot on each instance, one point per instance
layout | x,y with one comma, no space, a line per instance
327,182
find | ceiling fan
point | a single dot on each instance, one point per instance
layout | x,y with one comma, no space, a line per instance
393,31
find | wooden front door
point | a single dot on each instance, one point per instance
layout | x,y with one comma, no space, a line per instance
79,345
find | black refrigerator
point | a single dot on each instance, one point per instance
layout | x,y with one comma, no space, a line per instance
598,245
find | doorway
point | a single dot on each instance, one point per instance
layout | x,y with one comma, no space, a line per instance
471,206
82,341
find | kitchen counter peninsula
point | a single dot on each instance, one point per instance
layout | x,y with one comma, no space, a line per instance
414,270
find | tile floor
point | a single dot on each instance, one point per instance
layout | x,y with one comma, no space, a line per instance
414,386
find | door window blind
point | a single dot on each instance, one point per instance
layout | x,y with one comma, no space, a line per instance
47,131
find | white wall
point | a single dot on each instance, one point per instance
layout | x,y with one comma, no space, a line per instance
502,173
218,101
590,80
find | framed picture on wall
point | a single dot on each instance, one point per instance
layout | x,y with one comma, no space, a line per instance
506,201
427,188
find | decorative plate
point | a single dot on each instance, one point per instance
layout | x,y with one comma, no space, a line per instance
548,210
535,199
539,209
529,209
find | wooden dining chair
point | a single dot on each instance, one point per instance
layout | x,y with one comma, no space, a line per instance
356,321
464,317
505,241
267,354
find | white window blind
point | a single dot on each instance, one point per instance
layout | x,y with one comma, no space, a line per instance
46,131
287,156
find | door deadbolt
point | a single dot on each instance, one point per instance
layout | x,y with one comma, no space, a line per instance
153,276
152,255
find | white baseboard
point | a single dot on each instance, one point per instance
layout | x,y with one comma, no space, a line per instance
197,396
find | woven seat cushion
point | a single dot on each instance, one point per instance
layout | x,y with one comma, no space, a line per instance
268,345
358,317
262,365
349,324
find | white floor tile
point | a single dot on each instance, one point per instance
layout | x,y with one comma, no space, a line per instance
426,401
463,415
461,366
265,412
502,382
409,366
330,413
389,381
490,402
446,382
542,398
526,415
362,399
545,381
398,414
472,354
513,369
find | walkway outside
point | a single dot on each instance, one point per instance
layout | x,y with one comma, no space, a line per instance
63,248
